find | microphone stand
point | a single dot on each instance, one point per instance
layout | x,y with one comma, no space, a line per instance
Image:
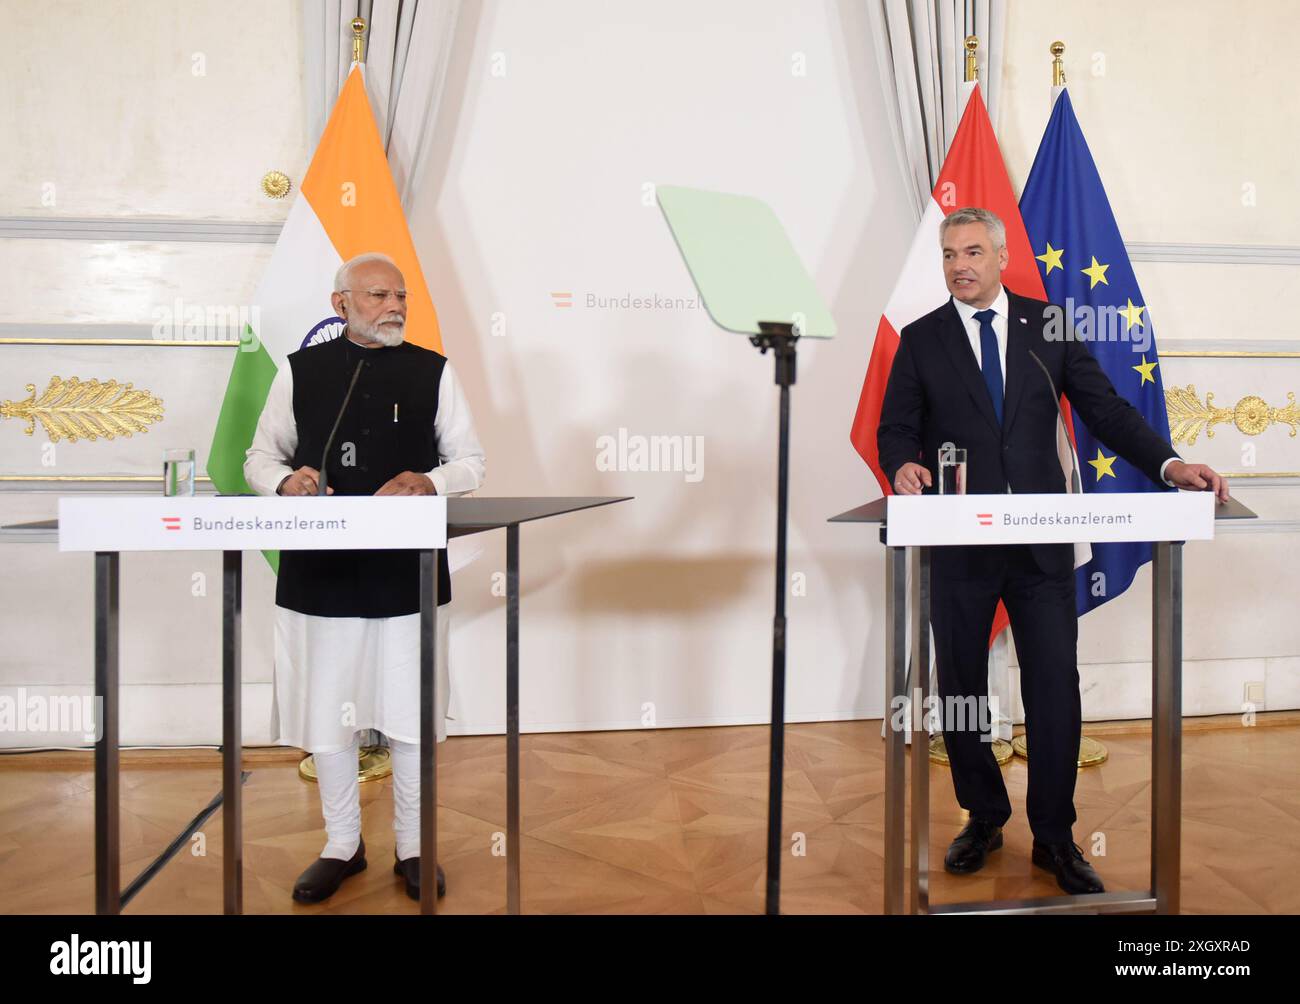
320,482
1076,485
368,749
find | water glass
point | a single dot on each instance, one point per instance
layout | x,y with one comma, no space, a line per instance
952,470
178,472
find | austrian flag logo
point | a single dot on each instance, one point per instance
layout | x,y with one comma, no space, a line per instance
171,522
985,518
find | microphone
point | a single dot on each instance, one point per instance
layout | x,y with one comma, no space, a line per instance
1075,484
320,484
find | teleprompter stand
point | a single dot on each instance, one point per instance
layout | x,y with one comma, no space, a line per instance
781,339
749,276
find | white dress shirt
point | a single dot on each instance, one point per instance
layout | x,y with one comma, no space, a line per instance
1000,308
462,462
370,665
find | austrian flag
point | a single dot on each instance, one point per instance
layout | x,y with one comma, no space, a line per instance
973,175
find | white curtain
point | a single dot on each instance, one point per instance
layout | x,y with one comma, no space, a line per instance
408,48
921,44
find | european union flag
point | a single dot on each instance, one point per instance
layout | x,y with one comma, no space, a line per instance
1086,271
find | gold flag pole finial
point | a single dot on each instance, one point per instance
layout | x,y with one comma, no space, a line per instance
1058,67
358,39
972,70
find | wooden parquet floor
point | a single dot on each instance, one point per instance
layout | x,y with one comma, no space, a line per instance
669,821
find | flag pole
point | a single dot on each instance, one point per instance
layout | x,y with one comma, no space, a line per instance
938,749
374,760
970,80
1057,49
358,39
1092,752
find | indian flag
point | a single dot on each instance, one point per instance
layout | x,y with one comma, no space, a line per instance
347,205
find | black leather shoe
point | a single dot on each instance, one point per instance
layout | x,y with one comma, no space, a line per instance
410,872
1065,861
972,846
323,877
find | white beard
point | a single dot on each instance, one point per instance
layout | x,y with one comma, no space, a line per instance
386,335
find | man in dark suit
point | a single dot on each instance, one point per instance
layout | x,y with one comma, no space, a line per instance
964,375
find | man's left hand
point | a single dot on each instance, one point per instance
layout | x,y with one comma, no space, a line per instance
1197,478
411,483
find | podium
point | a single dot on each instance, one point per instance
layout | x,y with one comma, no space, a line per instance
232,524
909,527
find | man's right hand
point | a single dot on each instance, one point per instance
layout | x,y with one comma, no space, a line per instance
911,478
303,481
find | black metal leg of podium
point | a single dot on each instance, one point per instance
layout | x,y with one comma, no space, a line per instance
232,737
920,898
1166,723
428,733
512,719
108,833
895,734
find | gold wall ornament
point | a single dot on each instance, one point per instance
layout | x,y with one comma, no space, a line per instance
86,409
1252,415
276,184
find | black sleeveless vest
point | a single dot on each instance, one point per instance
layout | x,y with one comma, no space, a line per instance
369,448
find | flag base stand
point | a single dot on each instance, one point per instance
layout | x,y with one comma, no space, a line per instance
1091,752
1003,751
373,764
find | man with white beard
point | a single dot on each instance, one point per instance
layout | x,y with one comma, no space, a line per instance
347,642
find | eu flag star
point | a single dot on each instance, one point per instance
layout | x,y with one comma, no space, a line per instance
1145,369
1103,465
1051,258
1132,313
1097,273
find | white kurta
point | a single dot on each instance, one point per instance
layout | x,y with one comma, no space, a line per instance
336,675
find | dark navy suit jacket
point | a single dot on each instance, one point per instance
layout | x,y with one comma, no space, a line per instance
936,394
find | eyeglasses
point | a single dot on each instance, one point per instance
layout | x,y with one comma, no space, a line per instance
378,296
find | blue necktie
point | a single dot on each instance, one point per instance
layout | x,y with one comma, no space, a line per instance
989,361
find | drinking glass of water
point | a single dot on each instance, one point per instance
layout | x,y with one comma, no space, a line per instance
178,472
952,470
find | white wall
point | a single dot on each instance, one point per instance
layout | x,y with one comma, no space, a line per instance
540,185
537,185
125,111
